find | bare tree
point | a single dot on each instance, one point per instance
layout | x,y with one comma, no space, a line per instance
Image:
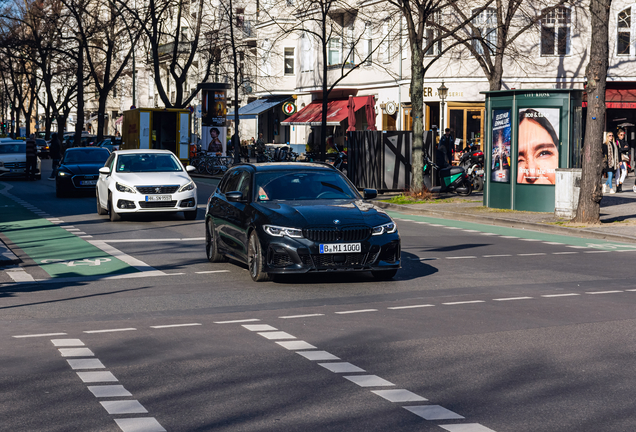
596,73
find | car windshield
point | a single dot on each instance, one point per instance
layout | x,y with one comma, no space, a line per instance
12,148
302,185
81,156
148,162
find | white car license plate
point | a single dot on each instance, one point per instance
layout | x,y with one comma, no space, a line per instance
340,248
88,182
158,197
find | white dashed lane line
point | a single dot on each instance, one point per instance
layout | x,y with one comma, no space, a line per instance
110,330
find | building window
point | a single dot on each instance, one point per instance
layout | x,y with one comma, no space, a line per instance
351,44
367,43
289,61
386,40
266,47
555,32
624,29
486,23
334,50
240,17
307,53
431,33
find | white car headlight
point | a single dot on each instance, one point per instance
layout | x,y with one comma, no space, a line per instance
187,187
387,228
63,174
278,231
123,188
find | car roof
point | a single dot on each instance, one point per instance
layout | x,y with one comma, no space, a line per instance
144,151
72,149
12,142
291,166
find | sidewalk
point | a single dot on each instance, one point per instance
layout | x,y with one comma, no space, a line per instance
618,216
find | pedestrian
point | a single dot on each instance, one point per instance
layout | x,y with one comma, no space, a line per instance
54,151
260,148
623,148
31,157
610,161
449,144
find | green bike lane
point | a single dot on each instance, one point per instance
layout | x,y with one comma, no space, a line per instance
518,233
58,252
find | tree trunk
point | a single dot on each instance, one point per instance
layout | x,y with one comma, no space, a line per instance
596,72
79,120
417,99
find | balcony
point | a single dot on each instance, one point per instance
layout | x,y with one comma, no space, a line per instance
166,49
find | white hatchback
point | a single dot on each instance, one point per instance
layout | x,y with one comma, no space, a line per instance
145,181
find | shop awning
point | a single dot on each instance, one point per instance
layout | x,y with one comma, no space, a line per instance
617,98
311,115
253,109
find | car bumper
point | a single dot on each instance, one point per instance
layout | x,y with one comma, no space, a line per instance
138,203
293,256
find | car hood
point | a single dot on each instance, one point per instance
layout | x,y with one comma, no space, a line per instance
82,168
301,214
152,178
13,157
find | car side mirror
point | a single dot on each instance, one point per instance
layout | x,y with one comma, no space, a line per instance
234,196
190,168
370,193
104,170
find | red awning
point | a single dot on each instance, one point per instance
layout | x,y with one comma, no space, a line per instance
617,98
336,112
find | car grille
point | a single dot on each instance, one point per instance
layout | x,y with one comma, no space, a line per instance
157,204
15,165
354,233
151,190
339,260
281,260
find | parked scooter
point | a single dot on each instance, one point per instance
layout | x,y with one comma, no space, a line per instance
452,178
472,160
340,161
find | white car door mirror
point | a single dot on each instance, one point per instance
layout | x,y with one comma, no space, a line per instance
190,168
104,170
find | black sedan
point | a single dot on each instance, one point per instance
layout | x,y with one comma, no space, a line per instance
79,170
286,218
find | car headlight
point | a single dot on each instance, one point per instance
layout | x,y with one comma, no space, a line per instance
64,174
387,228
123,188
187,187
278,231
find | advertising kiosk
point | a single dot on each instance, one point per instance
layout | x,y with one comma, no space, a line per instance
529,135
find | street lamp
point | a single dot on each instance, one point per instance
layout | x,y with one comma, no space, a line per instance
442,91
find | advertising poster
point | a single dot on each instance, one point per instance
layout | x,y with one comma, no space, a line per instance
538,146
501,132
214,139
213,108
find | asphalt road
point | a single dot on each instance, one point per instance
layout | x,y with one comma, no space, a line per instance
484,329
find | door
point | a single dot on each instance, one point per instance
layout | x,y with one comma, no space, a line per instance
103,182
239,213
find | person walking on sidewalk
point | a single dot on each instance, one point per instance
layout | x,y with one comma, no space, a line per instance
31,157
623,148
54,151
610,161
449,144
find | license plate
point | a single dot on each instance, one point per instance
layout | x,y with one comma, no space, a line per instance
16,170
158,197
479,172
340,248
88,182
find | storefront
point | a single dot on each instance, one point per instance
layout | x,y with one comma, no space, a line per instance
263,116
620,101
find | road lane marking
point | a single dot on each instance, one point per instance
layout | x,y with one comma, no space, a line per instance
124,407
489,234
466,427
341,367
497,256
559,295
175,325
356,311
212,271
461,257
38,335
563,253
510,237
134,240
529,239
433,412
19,275
276,335
95,377
76,352
67,342
463,302
301,316
604,292
237,321
578,247
532,254
317,355
131,261
597,251
553,243
296,345
144,424
399,395
410,306
259,327
512,298
368,381
86,364
109,391
110,330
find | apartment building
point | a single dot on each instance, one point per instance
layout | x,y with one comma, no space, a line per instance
369,44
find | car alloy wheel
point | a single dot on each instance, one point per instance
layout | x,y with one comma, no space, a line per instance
114,216
255,259
211,249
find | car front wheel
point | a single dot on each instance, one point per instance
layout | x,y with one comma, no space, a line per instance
114,216
255,260
211,247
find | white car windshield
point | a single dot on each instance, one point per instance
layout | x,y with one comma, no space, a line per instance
147,162
12,148
302,185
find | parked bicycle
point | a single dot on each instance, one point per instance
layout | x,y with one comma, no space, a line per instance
218,165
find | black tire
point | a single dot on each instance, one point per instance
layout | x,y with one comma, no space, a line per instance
114,216
468,186
384,275
211,248
100,210
478,183
255,260
190,214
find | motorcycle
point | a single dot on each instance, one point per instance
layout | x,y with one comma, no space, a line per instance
340,161
453,179
472,160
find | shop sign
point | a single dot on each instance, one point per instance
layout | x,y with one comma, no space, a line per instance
289,108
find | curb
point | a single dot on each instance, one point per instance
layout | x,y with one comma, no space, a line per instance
510,223
6,256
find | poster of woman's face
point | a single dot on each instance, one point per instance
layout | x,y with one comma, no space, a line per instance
214,139
500,160
538,146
